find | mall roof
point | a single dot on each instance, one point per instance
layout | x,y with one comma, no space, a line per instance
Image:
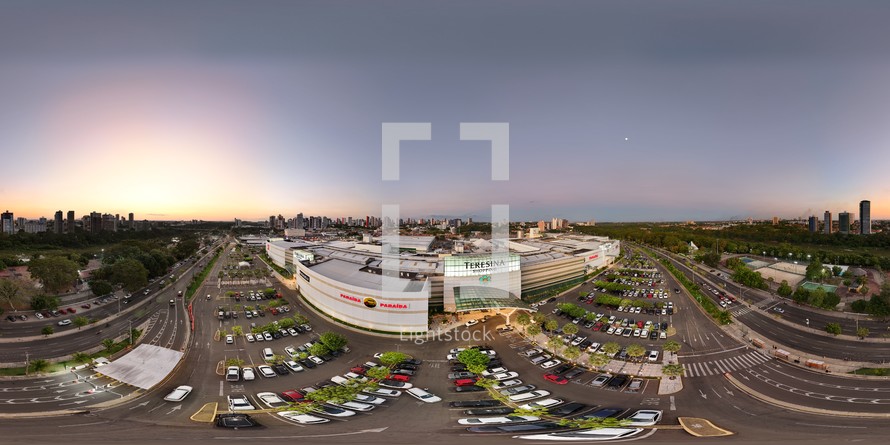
144,367
352,273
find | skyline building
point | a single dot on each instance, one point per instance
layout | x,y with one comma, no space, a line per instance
865,217
7,222
827,223
58,222
813,224
843,222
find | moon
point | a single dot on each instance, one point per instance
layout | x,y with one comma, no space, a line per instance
626,139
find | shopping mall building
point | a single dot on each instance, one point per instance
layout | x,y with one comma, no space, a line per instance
355,283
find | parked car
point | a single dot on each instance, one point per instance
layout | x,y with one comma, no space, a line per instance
556,378
235,420
272,400
233,374
239,403
424,395
644,417
304,419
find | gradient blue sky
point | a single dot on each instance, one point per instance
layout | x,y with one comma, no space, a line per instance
224,109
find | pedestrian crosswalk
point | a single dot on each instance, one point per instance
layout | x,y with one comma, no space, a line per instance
717,367
740,310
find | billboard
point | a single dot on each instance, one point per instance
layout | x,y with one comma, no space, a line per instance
476,265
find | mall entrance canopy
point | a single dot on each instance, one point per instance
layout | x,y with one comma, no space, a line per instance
474,298
144,367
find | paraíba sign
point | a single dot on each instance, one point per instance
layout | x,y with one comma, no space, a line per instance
373,303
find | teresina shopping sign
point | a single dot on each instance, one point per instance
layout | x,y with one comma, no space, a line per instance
464,266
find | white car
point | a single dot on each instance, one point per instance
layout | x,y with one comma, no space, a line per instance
340,380
230,339
550,363
305,419
536,394
293,332
494,371
179,394
64,322
507,384
505,375
471,323
356,377
456,350
316,360
644,417
531,352
271,400
259,337
290,350
267,336
266,371
334,411
366,398
383,392
395,384
293,366
356,406
239,403
653,356
233,374
546,403
496,420
249,337
424,395
586,435
593,348
248,374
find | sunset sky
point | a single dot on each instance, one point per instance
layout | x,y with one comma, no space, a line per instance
618,110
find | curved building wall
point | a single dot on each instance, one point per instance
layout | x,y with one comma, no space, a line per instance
363,307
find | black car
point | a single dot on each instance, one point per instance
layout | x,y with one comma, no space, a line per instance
602,413
326,357
276,335
461,375
617,382
403,371
574,373
653,335
520,428
664,325
561,368
470,388
474,403
459,367
568,409
235,420
412,361
408,366
489,411
280,369
308,363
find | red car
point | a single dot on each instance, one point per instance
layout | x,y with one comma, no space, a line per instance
399,377
293,396
558,379
71,310
598,326
464,382
360,370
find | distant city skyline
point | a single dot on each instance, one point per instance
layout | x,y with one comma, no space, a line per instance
618,111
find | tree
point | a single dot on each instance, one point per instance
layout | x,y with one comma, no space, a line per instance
235,362
108,343
533,330
817,297
377,373
672,370
9,291
555,344
237,331
55,273
523,319
815,270
473,358
81,321
82,357
836,271
392,358
862,332
333,340
635,350
551,324
833,328
611,348
319,349
671,346
38,365
571,328
572,352
784,289
100,287
598,360
47,330
44,302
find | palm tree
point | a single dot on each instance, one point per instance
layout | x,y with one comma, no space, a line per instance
38,365
81,357
108,343
672,370
570,329
671,346
598,360
572,352
636,350
533,330
611,348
